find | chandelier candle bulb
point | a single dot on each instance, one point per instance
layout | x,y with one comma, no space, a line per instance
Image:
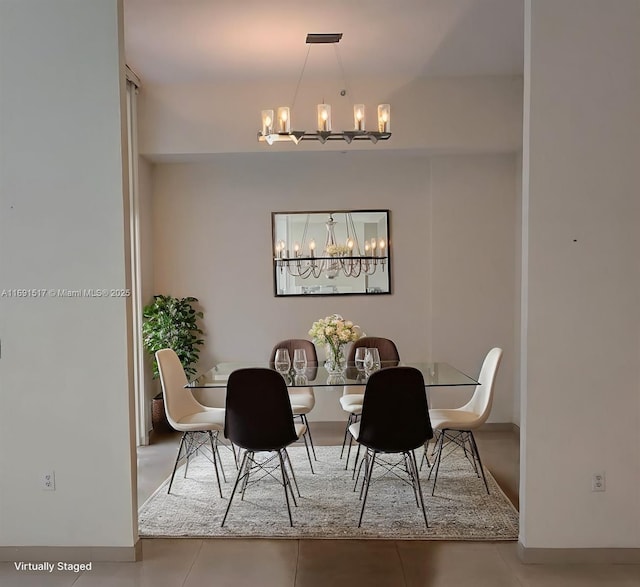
312,248
358,117
324,117
384,118
267,122
381,247
284,120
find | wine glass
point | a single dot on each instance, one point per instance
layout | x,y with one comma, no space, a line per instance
371,361
282,361
299,361
359,358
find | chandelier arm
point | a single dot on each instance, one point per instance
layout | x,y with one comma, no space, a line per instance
346,267
304,232
355,268
371,267
355,234
348,226
297,270
350,267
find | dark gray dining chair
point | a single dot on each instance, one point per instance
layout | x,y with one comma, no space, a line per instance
394,421
352,396
259,419
303,399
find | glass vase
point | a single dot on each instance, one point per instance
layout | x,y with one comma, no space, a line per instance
336,361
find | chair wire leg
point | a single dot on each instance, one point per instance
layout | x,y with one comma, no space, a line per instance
365,460
346,431
288,478
436,437
215,458
346,465
408,465
464,447
293,473
175,466
417,486
306,445
425,458
285,483
305,421
189,451
355,464
437,463
470,454
235,486
366,489
224,477
248,465
477,455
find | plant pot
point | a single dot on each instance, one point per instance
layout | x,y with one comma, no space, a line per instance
158,415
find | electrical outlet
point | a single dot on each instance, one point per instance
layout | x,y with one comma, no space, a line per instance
48,481
598,482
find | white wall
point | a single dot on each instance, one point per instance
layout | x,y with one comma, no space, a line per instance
472,298
65,401
581,281
453,260
468,114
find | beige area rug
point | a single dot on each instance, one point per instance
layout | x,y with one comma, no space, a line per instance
329,508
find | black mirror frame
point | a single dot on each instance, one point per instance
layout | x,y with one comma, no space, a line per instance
279,262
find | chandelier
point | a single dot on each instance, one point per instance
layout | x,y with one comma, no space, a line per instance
347,257
278,128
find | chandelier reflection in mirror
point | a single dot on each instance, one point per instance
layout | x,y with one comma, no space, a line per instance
278,128
334,252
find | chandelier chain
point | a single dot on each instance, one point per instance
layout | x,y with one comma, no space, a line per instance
304,65
344,75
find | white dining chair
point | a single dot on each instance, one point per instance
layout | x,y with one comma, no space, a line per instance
199,424
457,425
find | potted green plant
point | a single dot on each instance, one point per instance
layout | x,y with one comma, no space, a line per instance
169,322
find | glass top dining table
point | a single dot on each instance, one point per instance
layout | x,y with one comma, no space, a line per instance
435,375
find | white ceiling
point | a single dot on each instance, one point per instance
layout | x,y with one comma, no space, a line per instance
202,41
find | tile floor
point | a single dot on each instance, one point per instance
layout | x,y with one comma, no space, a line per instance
334,563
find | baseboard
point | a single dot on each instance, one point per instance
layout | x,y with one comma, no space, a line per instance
72,554
500,427
578,555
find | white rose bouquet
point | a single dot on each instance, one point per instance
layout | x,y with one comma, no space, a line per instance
335,332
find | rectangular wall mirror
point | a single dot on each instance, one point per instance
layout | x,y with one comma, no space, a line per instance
337,252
